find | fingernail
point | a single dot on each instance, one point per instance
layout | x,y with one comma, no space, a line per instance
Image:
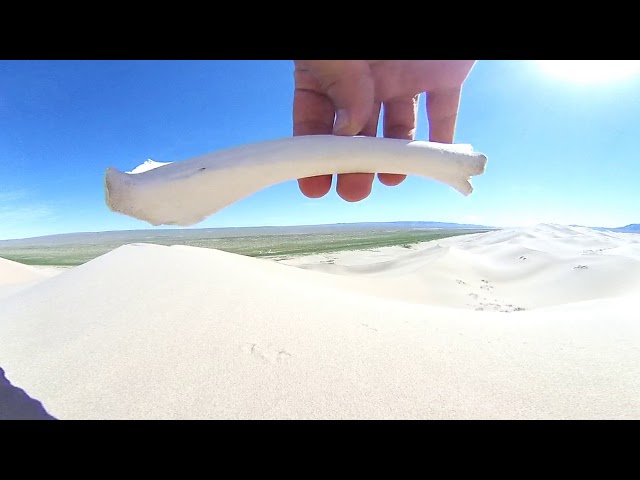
342,122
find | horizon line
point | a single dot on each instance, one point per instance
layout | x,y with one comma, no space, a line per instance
169,228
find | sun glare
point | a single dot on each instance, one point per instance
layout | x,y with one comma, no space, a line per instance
591,71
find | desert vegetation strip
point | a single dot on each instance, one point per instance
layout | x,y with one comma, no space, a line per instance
255,246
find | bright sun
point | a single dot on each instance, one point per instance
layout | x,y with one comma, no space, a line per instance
591,71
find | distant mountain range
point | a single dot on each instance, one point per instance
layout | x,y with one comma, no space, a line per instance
412,225
632,228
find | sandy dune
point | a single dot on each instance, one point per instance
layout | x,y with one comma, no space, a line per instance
532,323
504,270
14,273
15,276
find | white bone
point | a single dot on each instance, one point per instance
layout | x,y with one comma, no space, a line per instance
186,192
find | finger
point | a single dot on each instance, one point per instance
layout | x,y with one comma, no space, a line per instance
350,87
313,114
442,112
399,121
354,187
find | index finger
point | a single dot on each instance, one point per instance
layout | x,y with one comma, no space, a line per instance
313,114
313,111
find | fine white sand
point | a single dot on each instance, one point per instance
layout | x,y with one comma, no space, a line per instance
534,323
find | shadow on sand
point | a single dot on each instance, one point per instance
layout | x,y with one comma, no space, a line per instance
15,404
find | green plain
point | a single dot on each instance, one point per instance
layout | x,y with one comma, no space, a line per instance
269,246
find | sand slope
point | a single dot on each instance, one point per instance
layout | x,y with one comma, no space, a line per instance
156,332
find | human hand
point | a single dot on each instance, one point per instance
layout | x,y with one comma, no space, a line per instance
353,92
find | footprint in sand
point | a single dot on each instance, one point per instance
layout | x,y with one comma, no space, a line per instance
497,307
486,285
367,326
487,303
490,302
266,353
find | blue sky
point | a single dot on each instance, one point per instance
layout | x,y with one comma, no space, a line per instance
560,151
